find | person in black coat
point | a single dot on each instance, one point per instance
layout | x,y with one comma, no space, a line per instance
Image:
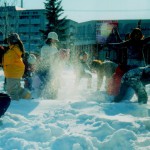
134,45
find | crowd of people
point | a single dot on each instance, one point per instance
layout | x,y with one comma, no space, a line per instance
26,73
41,75
135,69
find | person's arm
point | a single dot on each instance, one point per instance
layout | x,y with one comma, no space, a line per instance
115,46
87,67
2,48
146,40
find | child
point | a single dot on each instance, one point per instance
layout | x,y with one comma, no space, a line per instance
30,62
49,66
83,70
103,69
14,68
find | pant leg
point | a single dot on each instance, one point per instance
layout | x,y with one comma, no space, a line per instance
140,91
14,89
89,79
122,93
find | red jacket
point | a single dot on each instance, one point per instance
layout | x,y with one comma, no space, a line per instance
114,83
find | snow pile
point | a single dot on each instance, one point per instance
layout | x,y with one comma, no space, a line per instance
80,119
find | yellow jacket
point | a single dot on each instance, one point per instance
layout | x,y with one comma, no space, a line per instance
12,63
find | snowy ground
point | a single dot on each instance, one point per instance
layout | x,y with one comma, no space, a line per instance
80,119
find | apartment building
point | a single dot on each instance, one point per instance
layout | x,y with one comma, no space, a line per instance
92,35
27,23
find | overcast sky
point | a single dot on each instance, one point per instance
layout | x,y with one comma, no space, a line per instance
84,10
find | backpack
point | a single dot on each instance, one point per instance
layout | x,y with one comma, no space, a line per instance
4,103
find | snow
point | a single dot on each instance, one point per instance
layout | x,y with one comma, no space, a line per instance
79,119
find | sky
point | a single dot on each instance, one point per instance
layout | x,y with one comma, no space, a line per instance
84,10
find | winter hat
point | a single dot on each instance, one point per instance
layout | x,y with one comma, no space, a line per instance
32,59
53,35
13,38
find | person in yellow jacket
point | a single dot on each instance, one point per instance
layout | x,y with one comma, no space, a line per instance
14,68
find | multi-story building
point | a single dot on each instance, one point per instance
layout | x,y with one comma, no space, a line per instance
27,23
8,21
92,35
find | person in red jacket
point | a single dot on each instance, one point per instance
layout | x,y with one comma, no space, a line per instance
115,82
135,57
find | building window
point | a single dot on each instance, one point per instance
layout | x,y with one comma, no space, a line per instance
24,17
35,17
35,12
23,25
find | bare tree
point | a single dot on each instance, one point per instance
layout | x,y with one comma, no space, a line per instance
8,2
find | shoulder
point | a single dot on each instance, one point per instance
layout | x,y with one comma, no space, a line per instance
15,49
45,47
109,62
146,39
